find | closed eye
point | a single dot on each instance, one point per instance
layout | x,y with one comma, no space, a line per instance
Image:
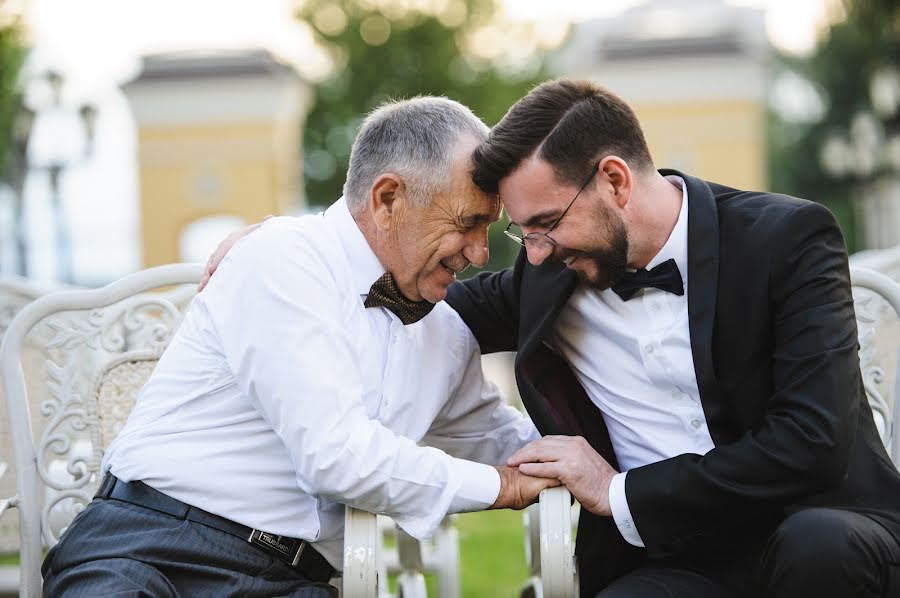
472,222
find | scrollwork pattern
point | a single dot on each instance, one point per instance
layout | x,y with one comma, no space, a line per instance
72,442
870,315
67,419
59,510
150,320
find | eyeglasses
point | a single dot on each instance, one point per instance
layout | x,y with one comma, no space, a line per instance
544,240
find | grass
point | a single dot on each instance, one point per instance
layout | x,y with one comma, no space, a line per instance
492,554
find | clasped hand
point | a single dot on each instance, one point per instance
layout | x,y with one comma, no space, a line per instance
572,461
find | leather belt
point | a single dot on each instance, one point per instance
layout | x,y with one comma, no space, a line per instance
293,551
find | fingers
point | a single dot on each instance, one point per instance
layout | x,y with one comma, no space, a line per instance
551,482
548,448
529,454
211,266
541,470
215,259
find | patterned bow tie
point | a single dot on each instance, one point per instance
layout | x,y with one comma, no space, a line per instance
384,293
664,276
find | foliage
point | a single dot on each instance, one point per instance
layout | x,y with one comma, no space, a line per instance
841,70
388,50
11,56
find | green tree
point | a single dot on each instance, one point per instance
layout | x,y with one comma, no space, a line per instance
11,55
387,50
850,55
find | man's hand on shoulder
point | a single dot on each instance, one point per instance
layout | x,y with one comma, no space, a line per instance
572,461
224,247
518,490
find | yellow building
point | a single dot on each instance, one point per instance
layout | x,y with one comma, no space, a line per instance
696,74
218,145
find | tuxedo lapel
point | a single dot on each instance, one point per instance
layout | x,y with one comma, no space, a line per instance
550,391
703,283
548,286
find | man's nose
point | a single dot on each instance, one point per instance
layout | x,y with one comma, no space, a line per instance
476,248
537,253
477,253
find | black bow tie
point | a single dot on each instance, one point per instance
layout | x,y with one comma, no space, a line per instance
664,276
384,293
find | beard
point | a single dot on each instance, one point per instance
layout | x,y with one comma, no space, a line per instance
609,256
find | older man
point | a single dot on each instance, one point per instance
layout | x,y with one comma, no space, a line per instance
302,379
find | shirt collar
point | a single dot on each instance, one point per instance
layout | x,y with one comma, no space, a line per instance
676,245
364,265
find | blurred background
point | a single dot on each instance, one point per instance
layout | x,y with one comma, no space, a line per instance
140,132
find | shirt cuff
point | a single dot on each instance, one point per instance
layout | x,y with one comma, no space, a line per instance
479,489
618,504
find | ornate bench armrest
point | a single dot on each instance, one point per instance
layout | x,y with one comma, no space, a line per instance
362,543
8,503
558,571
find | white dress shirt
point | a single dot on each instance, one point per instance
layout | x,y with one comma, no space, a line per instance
281,397
634,360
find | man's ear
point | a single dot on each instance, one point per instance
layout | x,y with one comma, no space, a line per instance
615,172
386,199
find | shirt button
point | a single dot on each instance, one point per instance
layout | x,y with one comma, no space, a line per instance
695,423
648,348
655,307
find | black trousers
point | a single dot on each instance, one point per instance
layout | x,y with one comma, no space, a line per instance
815,553
113,548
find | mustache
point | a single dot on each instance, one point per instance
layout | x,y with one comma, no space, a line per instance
561,255
456,264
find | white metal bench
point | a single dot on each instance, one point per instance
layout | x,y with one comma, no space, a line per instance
88,353
72,363
876,300
15,293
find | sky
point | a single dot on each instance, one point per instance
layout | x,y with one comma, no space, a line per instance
97,44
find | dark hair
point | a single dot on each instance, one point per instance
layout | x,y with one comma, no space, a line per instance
572,124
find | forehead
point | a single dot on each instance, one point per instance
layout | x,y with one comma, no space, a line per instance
465,198
468,201
531,188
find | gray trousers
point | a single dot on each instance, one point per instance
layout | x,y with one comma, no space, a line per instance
113,548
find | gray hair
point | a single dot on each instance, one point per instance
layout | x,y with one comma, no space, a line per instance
413,138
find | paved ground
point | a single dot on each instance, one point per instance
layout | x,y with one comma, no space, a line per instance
9,581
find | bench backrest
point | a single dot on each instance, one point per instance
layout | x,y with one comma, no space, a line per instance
79,357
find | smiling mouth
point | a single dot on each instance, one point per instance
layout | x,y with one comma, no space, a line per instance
568,261
453,271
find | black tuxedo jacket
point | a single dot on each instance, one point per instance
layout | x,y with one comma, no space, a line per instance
774,342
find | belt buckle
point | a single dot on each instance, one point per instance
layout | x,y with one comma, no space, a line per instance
289,549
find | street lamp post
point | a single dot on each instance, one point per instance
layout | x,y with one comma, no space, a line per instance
55,168
21,136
